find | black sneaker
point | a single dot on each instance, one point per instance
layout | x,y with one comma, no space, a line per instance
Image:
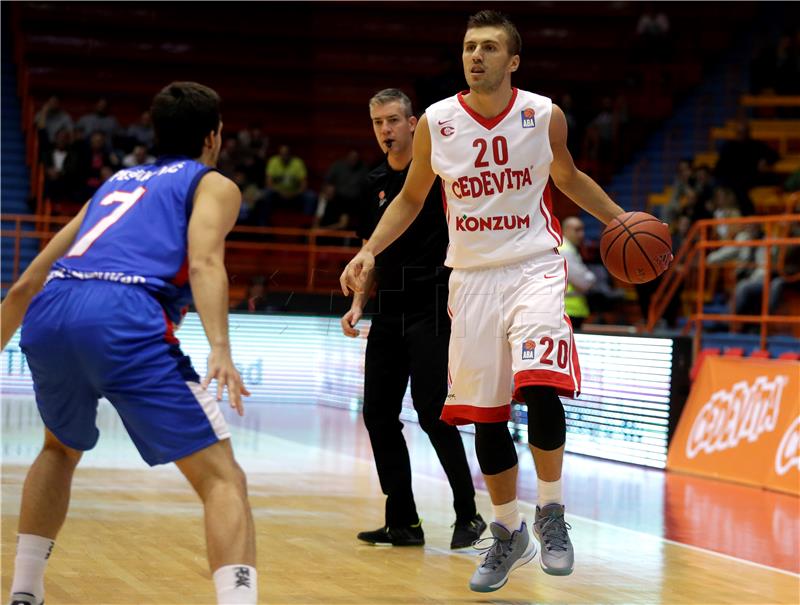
465,534
410,535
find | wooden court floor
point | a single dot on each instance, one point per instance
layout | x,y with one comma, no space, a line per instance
134,535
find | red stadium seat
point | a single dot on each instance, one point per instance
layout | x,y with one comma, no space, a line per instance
760,354
791,355
710,352
734,352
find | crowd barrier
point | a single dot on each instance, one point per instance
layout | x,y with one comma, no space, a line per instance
742,423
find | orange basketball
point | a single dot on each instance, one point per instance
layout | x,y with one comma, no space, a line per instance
636,247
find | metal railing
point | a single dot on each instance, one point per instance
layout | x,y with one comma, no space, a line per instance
262,241
689,267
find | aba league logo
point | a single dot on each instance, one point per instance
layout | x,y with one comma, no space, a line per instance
528,117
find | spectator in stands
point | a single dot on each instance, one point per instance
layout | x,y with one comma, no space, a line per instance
579,278
785,273
251,194
97,164
342,191
229,156
286,186
653,33
743,163
142,131
61,165
137,157
253,160
52,118
703,184
681,186
99,120
727,254
725,206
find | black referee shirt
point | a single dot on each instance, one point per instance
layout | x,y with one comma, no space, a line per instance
411,275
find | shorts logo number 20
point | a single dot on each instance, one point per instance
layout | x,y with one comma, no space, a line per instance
562,352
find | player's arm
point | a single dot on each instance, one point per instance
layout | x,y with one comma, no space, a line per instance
31,281
216,207
578,186
399,215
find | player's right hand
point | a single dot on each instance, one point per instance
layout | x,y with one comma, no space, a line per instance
355,273
221,369
349,321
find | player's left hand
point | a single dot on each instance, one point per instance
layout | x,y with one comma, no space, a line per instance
221,369
355,273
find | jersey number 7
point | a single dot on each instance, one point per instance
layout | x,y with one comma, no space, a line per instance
125,199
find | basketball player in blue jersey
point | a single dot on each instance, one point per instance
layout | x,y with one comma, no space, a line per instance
100,304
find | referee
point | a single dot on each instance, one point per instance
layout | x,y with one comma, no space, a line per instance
408,339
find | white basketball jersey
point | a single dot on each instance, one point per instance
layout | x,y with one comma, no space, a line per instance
494,178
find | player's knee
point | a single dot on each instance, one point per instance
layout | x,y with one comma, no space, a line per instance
231,482
494,447
547,426
54,447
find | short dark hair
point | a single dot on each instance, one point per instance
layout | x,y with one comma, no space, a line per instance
389,95
490,18
183,114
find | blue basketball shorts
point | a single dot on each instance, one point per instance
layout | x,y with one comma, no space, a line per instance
90,339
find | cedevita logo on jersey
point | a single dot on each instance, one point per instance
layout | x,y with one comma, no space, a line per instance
507,222
491,183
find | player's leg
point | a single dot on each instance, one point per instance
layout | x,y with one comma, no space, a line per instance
480,369
45,500
171,418
547,436
67,403
427,354
512,545
230,536
545,363
385,380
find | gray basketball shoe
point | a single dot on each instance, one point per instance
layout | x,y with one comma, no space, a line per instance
550,528
24,598
508,551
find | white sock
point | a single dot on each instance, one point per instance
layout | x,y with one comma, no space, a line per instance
508,515
236,585
549,492
32,554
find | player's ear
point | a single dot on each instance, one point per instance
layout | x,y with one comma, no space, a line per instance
412,121
514,65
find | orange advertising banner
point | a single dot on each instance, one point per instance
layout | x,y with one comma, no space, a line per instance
742,423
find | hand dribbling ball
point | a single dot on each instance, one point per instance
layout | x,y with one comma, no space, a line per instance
636,247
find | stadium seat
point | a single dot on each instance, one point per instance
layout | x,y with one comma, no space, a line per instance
710,352
760,354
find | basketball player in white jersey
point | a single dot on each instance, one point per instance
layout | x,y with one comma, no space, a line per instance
494,148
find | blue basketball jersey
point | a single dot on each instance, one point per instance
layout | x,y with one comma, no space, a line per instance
135,232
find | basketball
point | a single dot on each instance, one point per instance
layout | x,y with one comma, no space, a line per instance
636,247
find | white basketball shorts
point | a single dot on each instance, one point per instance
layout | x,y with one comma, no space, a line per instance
509,330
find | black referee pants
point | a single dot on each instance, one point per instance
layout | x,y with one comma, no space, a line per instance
398,348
